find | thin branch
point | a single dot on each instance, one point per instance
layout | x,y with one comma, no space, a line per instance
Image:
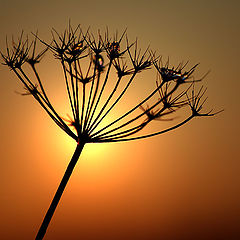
133,109
100,95
36,96
94,124
68,90
120,139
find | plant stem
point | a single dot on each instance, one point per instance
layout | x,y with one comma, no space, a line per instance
59,192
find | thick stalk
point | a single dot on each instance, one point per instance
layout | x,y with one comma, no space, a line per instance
59,192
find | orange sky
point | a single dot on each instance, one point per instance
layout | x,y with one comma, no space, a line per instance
181,184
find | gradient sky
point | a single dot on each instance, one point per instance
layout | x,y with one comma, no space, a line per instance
181,184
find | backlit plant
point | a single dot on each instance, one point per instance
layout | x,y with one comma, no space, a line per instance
89,63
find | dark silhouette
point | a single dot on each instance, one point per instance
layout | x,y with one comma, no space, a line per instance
102,56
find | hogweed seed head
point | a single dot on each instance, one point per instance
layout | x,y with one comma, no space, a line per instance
85,86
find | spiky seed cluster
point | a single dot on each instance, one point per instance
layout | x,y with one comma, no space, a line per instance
85,86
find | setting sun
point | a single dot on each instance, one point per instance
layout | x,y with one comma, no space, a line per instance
110,127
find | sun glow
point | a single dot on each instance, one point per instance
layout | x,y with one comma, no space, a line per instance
92,152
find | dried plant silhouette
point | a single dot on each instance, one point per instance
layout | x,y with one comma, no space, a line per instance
98,71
